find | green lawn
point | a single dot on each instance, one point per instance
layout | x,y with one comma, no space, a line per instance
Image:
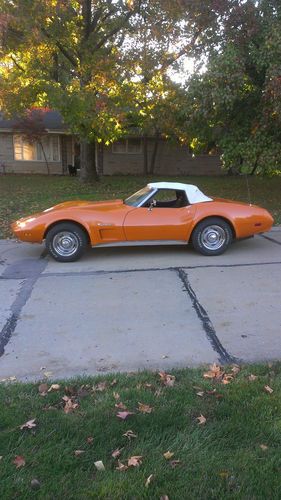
235,454
22,195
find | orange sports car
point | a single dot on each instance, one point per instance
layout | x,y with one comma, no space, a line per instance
161,212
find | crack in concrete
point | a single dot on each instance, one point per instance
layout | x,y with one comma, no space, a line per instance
22,297
224,356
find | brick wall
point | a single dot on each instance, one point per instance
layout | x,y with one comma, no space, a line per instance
171,160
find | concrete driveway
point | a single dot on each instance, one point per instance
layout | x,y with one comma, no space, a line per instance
135,308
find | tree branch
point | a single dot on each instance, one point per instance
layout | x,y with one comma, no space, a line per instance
17,64
62,49
113,32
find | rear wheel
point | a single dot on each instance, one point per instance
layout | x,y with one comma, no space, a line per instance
212,236
66,242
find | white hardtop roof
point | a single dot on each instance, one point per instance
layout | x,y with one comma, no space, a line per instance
193,193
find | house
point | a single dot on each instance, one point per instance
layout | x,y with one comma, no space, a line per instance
126,156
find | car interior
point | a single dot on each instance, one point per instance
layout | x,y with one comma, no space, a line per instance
167,198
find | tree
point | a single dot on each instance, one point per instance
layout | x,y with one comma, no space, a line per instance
234,104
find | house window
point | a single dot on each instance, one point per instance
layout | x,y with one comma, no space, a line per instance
127,146
24,150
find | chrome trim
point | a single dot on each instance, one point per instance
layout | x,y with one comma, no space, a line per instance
140,243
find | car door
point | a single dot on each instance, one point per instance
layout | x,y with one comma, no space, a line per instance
157,224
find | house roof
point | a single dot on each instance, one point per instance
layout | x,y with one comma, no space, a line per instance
52,120
193,193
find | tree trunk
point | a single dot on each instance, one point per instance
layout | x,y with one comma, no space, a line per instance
145,155
88,170
154,153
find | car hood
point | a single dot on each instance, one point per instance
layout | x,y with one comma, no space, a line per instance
82,204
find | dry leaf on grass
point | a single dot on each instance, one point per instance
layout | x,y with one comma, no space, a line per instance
69,405
174,463
135,461
43,389
124,414
121,406
116,453
130,434
167,379
99,465
29,424
116,396
54,387
149,479
122,467
235,369
201,420
215,371
164,497
264,447
224,474
200,393
252,377
90,440
168,455
77,453
143,408
268,389
48,374
19,461
114,382
100,387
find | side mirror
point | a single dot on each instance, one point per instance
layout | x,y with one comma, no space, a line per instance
151,205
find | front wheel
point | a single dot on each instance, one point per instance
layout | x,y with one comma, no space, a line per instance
66,242
212,236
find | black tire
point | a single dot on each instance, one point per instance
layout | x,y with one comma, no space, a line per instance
212,236
66,242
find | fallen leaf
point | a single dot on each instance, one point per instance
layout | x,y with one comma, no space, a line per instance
227,378
19,461
114,382
264,447
124,414
90,440
164,497
70,405
168,455
158,393
224,474
116,396
116,453
167,379
235,369
35,484
135,461
149,479
143,408
54,387
29,424
77,453
43,389
174,463
100,387
268,389
121,406
70,390
130,434
99,465
212,392
200,393
1,456
48,374
201,420
122,467
214,372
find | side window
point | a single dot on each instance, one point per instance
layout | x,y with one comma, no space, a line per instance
169,198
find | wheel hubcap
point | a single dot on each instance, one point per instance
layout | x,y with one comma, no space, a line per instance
65,244
213,237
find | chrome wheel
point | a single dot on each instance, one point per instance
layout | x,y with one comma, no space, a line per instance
213,237
65,244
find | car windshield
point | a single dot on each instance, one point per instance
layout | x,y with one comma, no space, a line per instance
135,199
